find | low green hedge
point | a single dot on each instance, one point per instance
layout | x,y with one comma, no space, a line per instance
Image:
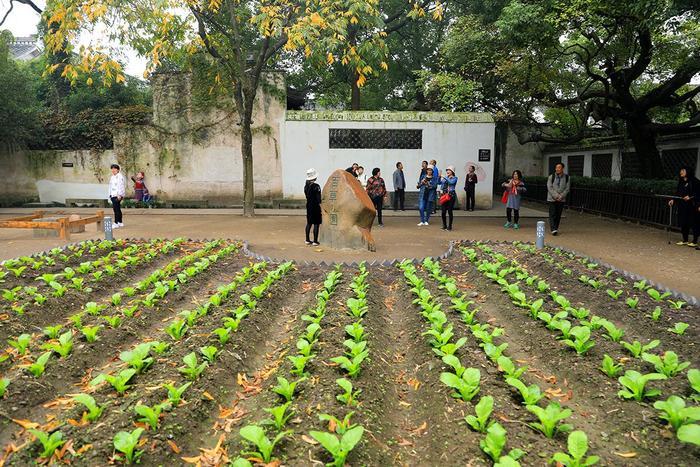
627,185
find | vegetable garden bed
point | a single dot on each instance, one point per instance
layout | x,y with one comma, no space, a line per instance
175,352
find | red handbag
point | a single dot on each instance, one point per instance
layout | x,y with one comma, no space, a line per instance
444,199
504,198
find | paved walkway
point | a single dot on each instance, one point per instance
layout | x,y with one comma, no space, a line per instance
279,234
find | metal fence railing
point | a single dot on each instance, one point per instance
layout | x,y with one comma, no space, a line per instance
644,208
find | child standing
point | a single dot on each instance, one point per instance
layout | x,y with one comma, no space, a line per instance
514,189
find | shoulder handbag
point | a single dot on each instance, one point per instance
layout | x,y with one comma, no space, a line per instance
504,198
446,197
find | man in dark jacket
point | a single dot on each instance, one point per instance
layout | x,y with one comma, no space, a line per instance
399,187
558,187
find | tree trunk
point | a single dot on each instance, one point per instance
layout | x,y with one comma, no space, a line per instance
247,155
355,96
646,149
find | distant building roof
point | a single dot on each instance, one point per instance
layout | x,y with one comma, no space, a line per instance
25,48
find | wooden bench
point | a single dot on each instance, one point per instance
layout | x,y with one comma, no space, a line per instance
74,202
62,224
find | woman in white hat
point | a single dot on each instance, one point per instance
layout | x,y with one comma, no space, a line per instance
449,196
312,190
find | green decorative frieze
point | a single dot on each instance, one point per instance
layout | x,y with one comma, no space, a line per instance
385,116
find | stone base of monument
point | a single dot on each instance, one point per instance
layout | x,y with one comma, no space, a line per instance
348,214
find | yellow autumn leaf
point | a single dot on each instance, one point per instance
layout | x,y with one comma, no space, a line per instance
316,19
384,66
354,20
330,58
89,81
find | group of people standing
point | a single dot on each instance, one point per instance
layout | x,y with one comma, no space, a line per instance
117,192
434,188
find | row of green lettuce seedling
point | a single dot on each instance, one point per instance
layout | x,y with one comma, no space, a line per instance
61,343
49,284
464,381
578,338
549,418
192,369
93,309
603,282
142,357
263,441
346,435
16,267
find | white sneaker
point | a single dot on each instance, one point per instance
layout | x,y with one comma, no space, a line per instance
121,224
425,223
420,224
115,226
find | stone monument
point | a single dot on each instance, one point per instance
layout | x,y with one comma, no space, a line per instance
348,213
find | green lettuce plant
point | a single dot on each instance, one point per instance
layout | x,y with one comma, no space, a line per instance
550,418
668,364
39,366
280,415
351,366
175,392
49,442
256,436
634,384
483,411
530,394
339,448
149,415
119,382
577,443
581,341
636,348
285,388
192,368
609,367
349,396
93,410
63,346
21,344
674,411
465,386
679,328
126,442
340,425
138,358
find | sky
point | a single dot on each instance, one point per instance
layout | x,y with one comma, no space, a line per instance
23,21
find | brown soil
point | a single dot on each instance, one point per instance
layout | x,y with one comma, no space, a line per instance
410,417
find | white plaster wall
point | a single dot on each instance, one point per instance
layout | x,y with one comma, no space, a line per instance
305,144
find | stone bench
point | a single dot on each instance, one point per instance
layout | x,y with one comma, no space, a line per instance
187,203
86,202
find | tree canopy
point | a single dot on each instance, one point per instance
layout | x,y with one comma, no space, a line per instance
559,69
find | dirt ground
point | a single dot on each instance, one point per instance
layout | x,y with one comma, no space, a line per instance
640,249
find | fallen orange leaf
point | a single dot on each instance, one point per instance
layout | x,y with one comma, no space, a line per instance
626,454
26,424
174,447
208,396
309,440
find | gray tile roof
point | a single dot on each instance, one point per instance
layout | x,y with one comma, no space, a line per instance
25,48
